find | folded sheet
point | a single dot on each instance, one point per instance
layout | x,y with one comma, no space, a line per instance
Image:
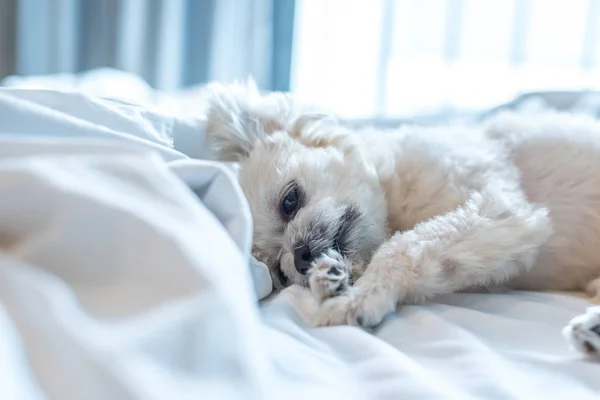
41,120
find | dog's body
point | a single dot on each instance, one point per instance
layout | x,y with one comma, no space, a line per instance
416,212
541,173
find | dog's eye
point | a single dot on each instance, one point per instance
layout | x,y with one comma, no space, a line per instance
290,203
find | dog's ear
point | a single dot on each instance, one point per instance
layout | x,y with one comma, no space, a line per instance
238,116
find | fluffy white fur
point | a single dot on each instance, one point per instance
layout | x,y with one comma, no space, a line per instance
583,332
422,211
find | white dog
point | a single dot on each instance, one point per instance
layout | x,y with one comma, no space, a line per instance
371,219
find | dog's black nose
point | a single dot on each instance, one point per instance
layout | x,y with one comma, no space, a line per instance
302,259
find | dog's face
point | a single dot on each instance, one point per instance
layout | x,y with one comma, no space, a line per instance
307,183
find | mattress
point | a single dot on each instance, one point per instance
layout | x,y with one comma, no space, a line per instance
124,274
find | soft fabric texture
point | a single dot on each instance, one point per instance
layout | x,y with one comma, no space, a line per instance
113,276
460,346
45,118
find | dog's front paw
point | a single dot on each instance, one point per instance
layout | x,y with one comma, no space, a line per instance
583,332
329,276
357,306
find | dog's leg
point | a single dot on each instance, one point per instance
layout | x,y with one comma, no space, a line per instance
329,275
489,239
583,332
593,290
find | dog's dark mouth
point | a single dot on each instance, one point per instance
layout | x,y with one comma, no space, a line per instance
280,275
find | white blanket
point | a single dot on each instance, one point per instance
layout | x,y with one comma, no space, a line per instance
57,121
119,282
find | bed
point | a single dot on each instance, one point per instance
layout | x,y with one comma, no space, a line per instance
124,274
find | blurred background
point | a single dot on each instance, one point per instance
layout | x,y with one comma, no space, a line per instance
360,58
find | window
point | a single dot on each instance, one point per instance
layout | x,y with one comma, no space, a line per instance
397,58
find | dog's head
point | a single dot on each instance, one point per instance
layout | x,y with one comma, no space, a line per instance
307,181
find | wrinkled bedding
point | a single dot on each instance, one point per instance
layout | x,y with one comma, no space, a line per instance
124,274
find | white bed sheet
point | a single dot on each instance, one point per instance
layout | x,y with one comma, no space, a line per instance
461,346
116,282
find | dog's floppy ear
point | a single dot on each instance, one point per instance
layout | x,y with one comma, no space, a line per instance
238,116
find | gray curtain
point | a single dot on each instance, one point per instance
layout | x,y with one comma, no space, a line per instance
170,43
